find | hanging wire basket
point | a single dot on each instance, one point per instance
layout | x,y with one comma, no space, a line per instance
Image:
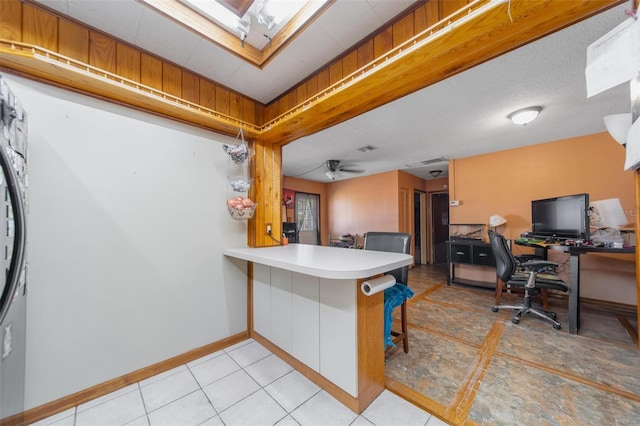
238,151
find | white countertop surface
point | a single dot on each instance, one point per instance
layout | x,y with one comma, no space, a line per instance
323,261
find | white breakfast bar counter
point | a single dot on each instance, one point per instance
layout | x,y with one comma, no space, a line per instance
306,306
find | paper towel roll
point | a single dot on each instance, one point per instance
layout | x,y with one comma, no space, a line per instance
377,285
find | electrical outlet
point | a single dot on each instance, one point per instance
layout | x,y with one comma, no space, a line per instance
268,229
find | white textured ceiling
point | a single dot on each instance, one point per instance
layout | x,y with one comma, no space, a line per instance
462,116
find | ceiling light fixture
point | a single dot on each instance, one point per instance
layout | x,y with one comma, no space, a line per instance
332,175
618,126
525,116
435,173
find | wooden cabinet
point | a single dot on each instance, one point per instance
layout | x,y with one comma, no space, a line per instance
468,252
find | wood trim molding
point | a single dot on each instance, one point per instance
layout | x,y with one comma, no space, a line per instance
85,395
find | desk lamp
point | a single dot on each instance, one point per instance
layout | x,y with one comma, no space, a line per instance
496,220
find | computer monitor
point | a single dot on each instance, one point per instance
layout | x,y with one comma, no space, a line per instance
565,217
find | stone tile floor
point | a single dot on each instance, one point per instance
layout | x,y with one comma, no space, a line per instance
469,365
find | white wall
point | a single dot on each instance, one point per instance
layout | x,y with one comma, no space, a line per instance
127,225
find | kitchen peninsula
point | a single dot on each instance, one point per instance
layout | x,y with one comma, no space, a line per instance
306,306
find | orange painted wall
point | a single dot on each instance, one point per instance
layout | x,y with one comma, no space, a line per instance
367,203
506,182
311,187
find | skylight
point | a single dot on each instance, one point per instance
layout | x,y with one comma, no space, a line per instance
258,26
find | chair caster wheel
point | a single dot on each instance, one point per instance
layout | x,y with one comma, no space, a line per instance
494,309
553,315
515,320
557,326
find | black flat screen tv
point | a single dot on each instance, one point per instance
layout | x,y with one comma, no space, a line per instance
565,217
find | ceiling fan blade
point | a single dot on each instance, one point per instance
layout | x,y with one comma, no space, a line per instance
350,170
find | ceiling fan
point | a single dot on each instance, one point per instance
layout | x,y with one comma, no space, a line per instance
335,168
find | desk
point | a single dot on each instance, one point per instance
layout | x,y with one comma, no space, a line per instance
574,271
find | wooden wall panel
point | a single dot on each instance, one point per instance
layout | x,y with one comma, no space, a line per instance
235,105
102,52
171,79
301,92
403,30
151,71
335,72
365,53
383,42
191,87
73,40
11,20
350,63
248,110
128,62
207,94
323,79
222,100
447,7
39,28
433,12
312,86
420,18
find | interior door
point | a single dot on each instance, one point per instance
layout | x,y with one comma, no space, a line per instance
440,226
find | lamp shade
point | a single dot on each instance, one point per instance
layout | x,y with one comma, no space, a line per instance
496,220
618,126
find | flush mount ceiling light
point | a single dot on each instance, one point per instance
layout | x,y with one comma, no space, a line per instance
618,126
525,116
435,173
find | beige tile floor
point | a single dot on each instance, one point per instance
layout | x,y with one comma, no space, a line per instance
245,385
469,365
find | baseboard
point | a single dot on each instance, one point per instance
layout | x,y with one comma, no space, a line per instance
46,410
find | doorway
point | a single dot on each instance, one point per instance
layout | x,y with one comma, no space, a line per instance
420,227
440,226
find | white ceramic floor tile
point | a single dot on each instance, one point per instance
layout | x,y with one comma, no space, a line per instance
161,376
249,353
288,421
388,409
140,421
205,358
256,409
216,421
131,388
268,369
323,409
190,410
214,369
238,345
231,389
292,390
168,389
64,418
117,411
361,421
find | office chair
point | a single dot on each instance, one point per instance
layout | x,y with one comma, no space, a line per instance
397,295
531,278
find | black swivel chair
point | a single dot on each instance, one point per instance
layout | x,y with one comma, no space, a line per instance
531,275
396,242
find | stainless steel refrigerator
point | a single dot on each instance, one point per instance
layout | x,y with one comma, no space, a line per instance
13,282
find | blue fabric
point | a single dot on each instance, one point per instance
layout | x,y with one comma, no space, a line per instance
393,297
